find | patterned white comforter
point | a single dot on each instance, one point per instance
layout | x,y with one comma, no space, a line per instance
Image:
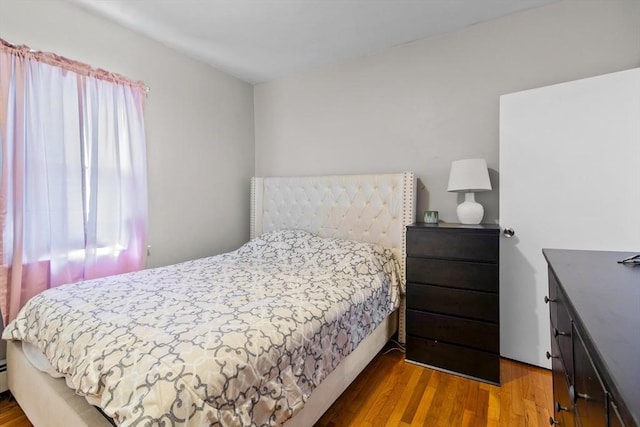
238,339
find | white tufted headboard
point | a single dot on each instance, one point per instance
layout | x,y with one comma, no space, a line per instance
368,208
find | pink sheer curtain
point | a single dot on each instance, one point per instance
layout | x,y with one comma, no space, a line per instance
73,190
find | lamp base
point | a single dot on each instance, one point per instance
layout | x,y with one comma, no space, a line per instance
470,211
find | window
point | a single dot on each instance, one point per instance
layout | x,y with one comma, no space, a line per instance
74,183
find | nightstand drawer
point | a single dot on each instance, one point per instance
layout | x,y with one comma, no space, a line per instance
457,302
455,274
461,244
474,363
455,330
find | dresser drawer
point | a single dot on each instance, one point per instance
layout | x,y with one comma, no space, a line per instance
562,405
474,363
461,244
455,274
455,330
615,420
457,302
591,398
561,329
555,299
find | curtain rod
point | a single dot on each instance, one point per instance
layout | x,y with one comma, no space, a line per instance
71,65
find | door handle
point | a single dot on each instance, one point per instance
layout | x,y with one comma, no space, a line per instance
508,232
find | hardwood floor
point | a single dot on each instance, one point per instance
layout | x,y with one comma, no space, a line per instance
391,392
10,413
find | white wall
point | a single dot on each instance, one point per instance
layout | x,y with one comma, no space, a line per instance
199,125
419,106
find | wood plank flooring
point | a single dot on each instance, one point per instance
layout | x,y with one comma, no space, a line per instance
10,413
391,392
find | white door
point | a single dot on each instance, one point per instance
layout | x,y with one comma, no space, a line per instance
569,179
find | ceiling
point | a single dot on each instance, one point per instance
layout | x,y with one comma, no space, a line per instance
261,40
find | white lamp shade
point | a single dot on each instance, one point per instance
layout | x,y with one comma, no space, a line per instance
469,175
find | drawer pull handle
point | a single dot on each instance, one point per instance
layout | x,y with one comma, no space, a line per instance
547,300
556,332
574,396
559,407
549,356
553,422
508,232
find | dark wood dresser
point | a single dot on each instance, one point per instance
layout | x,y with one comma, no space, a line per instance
452,299
594,306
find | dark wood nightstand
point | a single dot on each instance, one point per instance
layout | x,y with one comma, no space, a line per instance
453,310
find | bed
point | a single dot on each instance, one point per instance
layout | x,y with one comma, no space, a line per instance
314,212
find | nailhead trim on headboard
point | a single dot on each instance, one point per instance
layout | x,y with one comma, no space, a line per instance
409,217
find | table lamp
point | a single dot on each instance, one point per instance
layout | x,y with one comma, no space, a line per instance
469,176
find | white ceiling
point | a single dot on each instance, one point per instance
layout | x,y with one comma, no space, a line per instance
261,40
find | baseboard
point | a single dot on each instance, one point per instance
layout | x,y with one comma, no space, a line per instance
3,376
